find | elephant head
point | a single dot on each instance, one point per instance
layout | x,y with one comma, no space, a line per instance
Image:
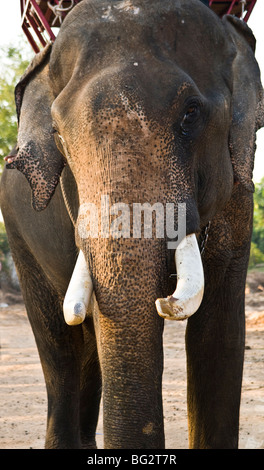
148,103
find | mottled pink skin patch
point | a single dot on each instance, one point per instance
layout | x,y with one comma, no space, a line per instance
42,177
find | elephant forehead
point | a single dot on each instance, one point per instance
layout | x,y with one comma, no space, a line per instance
126,96
127,6
131,111
124,115
97,34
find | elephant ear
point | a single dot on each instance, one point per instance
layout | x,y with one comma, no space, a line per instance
36,156
247,101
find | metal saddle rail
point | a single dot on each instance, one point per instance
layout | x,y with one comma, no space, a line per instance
42,18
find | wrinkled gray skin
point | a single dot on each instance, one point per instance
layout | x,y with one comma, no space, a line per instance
157,101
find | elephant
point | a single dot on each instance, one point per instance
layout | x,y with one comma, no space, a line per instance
136,102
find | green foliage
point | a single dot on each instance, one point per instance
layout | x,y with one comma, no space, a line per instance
256,256
4,247
13,63
257,245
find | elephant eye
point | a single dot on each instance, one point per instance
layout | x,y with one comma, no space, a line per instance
190,117
191,114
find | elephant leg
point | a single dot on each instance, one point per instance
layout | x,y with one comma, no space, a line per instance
215,341
60,347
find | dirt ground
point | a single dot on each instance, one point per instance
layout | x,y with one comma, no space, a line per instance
23,402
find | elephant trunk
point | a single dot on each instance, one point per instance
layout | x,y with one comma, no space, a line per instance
183,303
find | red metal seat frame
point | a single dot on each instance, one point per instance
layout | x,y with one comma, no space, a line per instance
38,18
233,7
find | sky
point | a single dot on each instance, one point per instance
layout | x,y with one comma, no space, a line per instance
11,33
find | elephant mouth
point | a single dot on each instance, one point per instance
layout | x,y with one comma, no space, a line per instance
183,303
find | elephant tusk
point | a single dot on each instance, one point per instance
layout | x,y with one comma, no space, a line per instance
188,295
78,294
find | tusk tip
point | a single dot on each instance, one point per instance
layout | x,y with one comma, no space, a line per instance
170,310
74,314
188,295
